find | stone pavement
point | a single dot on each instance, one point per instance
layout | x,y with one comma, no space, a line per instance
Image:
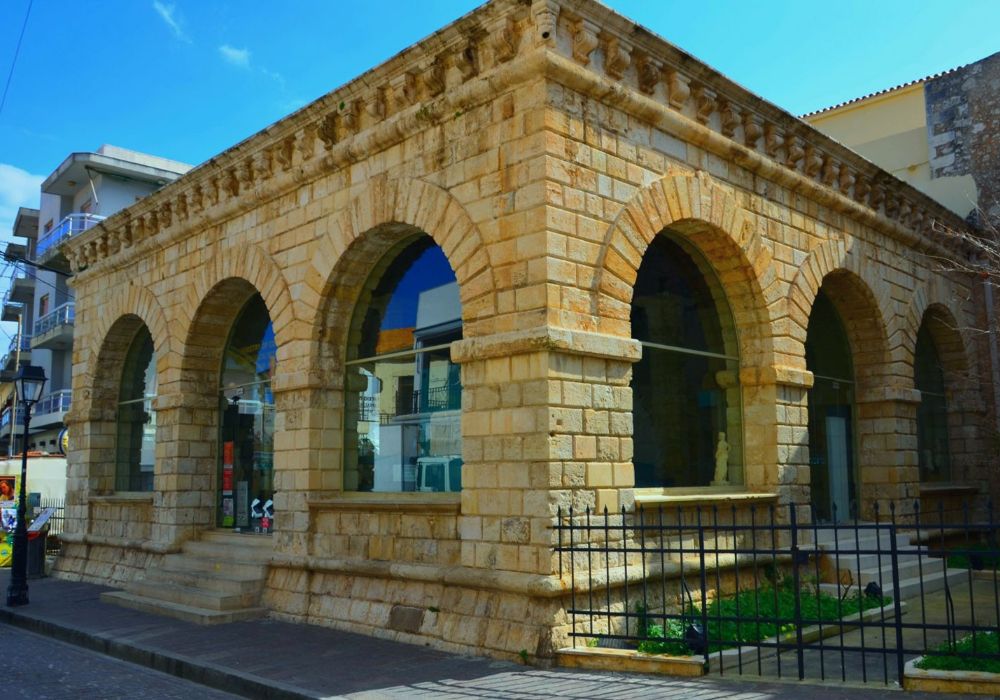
271,659
40,668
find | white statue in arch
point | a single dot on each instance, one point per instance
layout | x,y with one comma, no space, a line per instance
721,462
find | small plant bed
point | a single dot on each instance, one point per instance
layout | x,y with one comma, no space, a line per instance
749,614
953,659
978,557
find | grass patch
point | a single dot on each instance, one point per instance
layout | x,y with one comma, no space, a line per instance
752,608
978,557
985,643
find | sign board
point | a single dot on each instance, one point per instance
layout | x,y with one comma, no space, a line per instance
41,520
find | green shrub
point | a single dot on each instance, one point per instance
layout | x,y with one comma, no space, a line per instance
985,643
753,613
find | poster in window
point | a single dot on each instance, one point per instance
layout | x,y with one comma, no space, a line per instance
8,491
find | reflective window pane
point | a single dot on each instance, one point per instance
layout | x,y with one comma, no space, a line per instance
136,440
403,417
246,432
932,413
687,423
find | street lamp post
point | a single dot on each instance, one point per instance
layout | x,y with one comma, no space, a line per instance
29,383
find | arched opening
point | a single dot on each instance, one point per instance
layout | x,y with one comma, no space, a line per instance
933,450
833,476
135,448
246,425
687,413
403,393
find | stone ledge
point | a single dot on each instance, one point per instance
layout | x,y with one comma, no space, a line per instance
119,542
727,497
631,661
392,502
546,338
779,374
123,497
937,681
535,585
948,490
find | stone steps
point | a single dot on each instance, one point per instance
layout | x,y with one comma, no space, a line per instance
217,579
199,616
912,560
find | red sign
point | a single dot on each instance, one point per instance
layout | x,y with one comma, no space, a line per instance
227,478
227,454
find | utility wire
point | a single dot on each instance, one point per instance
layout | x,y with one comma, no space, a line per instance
17,51
69,294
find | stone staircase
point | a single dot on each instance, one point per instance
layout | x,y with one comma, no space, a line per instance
214,580
857,571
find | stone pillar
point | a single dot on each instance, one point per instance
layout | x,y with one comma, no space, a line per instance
187,427
887,450
547,424
776,429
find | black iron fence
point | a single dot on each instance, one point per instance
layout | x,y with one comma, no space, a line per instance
55,521
758,590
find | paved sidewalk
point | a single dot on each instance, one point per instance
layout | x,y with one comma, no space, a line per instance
271,659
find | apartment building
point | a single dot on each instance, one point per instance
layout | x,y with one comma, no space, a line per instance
85,189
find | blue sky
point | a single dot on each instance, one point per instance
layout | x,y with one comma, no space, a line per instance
185,79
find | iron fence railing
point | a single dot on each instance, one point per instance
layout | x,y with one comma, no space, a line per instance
55,523
759,590
72,225
25,343
62,314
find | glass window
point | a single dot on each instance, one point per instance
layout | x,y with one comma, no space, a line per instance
136,445
831,419
246,477
404,393
932,412
685,391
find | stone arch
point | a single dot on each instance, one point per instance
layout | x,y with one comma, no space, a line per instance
382,216
116,325
932,308
391,210
256,268
933,303
115,329
875,338
710,218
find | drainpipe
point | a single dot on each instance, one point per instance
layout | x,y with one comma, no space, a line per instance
994,359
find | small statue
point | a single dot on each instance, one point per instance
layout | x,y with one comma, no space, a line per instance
721,462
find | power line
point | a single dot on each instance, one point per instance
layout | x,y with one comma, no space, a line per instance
17,51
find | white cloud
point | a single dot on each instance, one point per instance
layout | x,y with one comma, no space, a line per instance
18,188
237,57
168,14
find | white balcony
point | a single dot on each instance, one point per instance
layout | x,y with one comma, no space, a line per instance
72,225
51,408
54,330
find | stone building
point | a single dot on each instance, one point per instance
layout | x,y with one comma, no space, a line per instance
542,259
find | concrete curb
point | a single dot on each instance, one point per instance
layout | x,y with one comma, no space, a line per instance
179,665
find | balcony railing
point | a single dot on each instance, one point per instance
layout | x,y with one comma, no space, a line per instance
62,314
56,402
25,344
72,225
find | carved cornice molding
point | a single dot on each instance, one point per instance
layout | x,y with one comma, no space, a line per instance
603,41
467,63
409,92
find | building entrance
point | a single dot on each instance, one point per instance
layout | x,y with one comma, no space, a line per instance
246,425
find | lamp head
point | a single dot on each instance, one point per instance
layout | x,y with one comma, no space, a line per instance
28,383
